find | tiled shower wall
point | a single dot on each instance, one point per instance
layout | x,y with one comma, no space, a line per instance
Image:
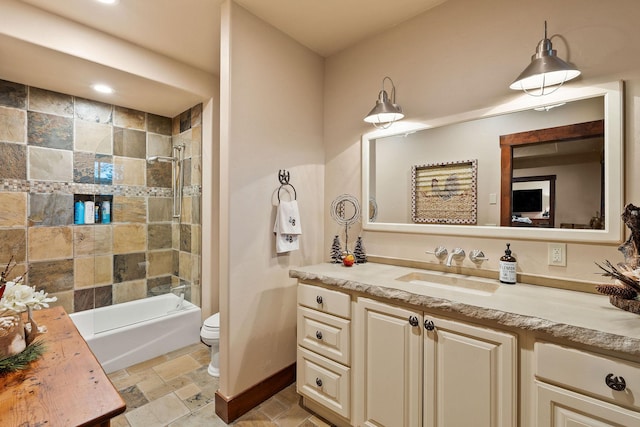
53,146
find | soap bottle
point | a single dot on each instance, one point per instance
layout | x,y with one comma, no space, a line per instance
508,267
79,213
106,212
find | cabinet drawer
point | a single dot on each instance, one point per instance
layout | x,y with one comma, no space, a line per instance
325,334
324,381
587,372
563,408
325,300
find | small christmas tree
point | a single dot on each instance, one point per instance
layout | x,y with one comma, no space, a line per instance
336,251
359,253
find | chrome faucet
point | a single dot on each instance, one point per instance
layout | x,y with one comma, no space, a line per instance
180,288
457,254
440,252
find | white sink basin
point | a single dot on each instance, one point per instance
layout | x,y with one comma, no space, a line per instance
453,282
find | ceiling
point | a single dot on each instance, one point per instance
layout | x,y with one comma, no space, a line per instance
188,31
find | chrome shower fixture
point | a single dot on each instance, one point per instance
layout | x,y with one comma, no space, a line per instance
177,175
154,159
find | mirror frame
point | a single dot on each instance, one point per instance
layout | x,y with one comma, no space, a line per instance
612,92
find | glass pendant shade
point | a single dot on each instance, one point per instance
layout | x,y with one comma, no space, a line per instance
545,70
386,111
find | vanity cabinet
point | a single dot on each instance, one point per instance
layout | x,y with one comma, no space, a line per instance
388,365
470,375
579,388
413,369
324,350
394,353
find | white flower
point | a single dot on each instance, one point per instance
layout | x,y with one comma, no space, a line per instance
18,297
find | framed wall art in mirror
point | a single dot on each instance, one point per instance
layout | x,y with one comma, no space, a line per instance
444,193
389,155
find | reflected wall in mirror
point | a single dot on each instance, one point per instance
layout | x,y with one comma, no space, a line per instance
574,155
388,157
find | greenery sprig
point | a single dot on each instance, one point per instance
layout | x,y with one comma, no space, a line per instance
21,361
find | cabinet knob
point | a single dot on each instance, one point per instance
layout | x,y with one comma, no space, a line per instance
413,321
615,383
319,335
319,299
428,325
318,382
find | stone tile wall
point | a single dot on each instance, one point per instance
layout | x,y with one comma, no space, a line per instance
54,146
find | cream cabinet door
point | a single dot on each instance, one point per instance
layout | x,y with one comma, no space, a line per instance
558,407
388,366
470,375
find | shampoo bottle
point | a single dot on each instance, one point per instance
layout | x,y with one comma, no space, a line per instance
508,267
79,213
106,212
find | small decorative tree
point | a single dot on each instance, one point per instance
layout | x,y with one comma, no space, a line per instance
336,251
359,253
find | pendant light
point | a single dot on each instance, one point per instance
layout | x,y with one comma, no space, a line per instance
546,73
386,111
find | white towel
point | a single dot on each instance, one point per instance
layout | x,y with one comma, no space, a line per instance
288,218
287,243
287,227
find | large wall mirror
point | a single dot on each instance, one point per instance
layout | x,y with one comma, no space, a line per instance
548,168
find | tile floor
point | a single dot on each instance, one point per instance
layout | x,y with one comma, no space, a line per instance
175,390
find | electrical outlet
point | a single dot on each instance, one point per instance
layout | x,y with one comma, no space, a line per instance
558,254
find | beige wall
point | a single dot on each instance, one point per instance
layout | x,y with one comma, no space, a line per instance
462,56
271,105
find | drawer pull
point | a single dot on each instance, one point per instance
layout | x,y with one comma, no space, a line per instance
319,335
413,321
615,383
428,325
318,382
319,299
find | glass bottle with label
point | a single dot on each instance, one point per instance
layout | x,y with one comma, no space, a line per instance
508,267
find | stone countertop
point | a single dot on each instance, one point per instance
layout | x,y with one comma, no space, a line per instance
575,316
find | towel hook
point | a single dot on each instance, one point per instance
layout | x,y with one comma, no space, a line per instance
283,177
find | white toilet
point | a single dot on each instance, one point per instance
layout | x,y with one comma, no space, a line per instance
210,335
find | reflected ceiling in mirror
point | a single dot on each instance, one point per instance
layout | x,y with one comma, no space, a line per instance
388,157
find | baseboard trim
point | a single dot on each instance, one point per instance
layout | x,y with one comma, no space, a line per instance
230,409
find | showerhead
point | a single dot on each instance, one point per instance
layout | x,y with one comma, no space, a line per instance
154,159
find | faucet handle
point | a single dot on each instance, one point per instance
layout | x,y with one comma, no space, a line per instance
440,252
477,257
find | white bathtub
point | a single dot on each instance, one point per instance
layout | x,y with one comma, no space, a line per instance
124,334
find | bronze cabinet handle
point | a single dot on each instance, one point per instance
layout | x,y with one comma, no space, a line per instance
615,383
429,325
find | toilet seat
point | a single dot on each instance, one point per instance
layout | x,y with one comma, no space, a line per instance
211,328
212,321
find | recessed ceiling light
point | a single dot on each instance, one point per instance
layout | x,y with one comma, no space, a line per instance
108,1
102,88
